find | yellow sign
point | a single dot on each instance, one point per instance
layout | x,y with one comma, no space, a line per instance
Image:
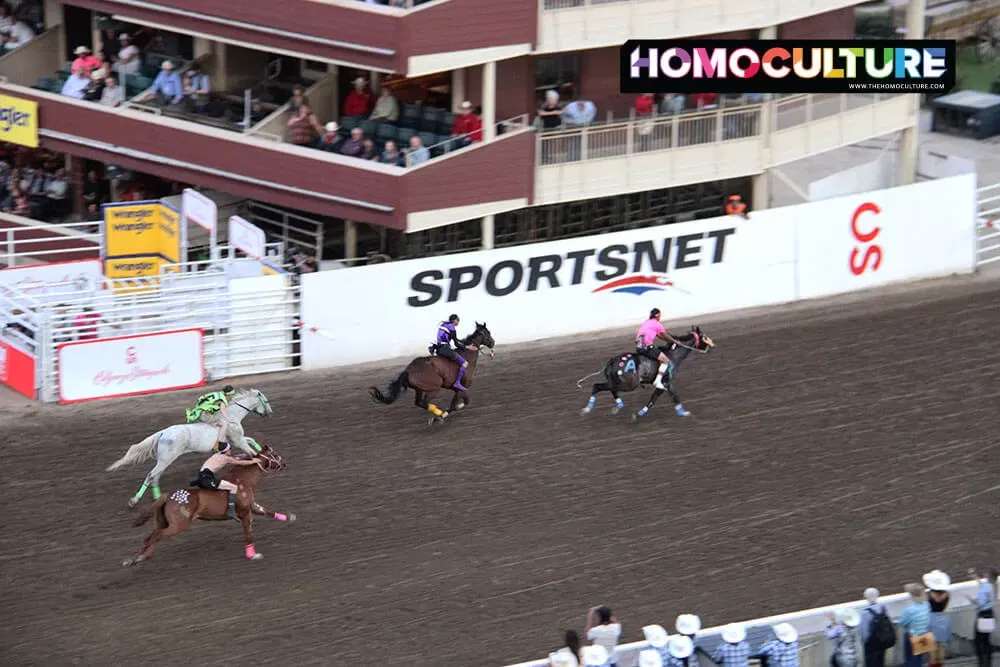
148,228
124,273
19,121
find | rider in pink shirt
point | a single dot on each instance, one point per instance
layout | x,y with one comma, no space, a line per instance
645,344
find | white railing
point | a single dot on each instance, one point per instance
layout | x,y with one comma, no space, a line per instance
456,143
810,624
988,241
32,242
293,229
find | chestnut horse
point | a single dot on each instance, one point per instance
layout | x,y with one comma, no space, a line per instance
177,510
429,375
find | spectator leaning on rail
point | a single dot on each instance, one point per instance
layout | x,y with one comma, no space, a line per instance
594,656
842,629
915,621
603,630
986,623
937,583
878,634
734,651
76,83
650,658
168,89
784,650
569,655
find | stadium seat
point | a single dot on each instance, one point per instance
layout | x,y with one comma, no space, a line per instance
410,116
403,136
385,132
432,119
444,125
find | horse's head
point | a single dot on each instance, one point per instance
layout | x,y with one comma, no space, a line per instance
270,460
253,400
482,337
702,341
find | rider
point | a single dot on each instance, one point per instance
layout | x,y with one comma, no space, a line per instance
208,475
211,409
447,333
645,344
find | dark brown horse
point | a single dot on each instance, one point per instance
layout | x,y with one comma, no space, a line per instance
429,375
177,510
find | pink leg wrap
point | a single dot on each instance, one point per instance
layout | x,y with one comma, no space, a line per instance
280,517
251,552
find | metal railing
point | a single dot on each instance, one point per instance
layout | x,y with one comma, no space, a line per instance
988,232
457,143
658,132
32,242
293,229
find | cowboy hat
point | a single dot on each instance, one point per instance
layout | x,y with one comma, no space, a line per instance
167,65
594,656
734,633
680,646
360,80
686,624
332,126
936,580
655,635
466,104
563,659
650,658
786,633
849,617
81,50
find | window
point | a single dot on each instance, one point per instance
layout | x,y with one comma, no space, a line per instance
554,72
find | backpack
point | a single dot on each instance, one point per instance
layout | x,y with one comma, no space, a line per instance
883,635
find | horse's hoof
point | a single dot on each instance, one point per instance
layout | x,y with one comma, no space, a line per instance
460,406
257,556
585,412
128,563
132,502
291,518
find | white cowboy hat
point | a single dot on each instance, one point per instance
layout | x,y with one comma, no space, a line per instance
655,635
786,633
563,659
80,50
734,633
360,79
167,65
650,658
124,35
680,646
466,104
936,580
687,624
332,126
849,617
594,656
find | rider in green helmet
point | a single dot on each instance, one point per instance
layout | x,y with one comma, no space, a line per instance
210,408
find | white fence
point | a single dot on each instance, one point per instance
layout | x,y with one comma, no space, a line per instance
24,242
815,651
988,233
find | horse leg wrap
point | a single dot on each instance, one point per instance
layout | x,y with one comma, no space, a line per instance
280,517
156,492
619,403
435,410
642,413
141,492
592,401
251,552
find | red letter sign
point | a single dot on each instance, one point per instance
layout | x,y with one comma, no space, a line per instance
872,252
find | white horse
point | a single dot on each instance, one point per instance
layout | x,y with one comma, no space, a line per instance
167,445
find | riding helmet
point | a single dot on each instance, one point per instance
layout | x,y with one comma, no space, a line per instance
453,318
654,313
228,389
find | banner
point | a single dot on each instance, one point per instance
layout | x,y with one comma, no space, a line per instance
148,228
54,282
246,236
121,270
130,365
18,121
17,369
199,209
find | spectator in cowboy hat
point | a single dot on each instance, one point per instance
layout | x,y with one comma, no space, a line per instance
937,583
594,656
689,625
734,652
842,629
658,638
680,650
782,651
650,658
604,630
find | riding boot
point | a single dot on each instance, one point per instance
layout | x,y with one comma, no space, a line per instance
231,506
658,383
458,381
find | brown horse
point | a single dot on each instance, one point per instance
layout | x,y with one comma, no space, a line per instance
429,375
176,511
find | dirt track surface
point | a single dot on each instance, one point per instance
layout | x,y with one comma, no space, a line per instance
831,448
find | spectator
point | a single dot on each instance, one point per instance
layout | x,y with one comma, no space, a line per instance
673,103
94,189
841,629
94,213
330,141
85,59
569,655
56,190
734,651
680,650
689,625
872,616
354,146
368,149
650,658
298,99
76,83
86,324
304,127
391,154
467,128
579,113
387,107
705,100
109,44
18,202
603,630
595,656
915,621
551,112
783,651
127,60
19,35
645,104
735,206
100,65
168,89
418,153
360,101
197,88
111,94
94,89
937,583
658,639
7,19
986,623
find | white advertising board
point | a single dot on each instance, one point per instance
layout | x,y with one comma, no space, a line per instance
550,289
56,281
130,365
573,286
199,209
246,236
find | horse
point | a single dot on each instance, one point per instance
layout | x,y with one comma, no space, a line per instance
429,375
177,511
200,438
628,372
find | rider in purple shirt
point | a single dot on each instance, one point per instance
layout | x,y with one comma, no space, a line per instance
446,335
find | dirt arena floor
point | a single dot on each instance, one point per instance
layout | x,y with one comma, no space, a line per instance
833,446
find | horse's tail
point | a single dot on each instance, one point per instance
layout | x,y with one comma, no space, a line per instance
148,511
579,383
138,453
396,387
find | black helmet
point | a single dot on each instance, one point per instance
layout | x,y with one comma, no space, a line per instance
228,389
654,313
453,318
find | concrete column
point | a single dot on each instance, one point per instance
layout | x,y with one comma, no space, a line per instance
909,143
53,12
77,181
457,89
770,32
375,82
489,101
762,191
488,232
220,67
202,47
915,12
333,72
350,240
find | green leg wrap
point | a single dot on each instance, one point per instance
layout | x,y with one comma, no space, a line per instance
156,492
141,492
257,447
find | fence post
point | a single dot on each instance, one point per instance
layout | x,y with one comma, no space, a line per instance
10,247
720,135
584,140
